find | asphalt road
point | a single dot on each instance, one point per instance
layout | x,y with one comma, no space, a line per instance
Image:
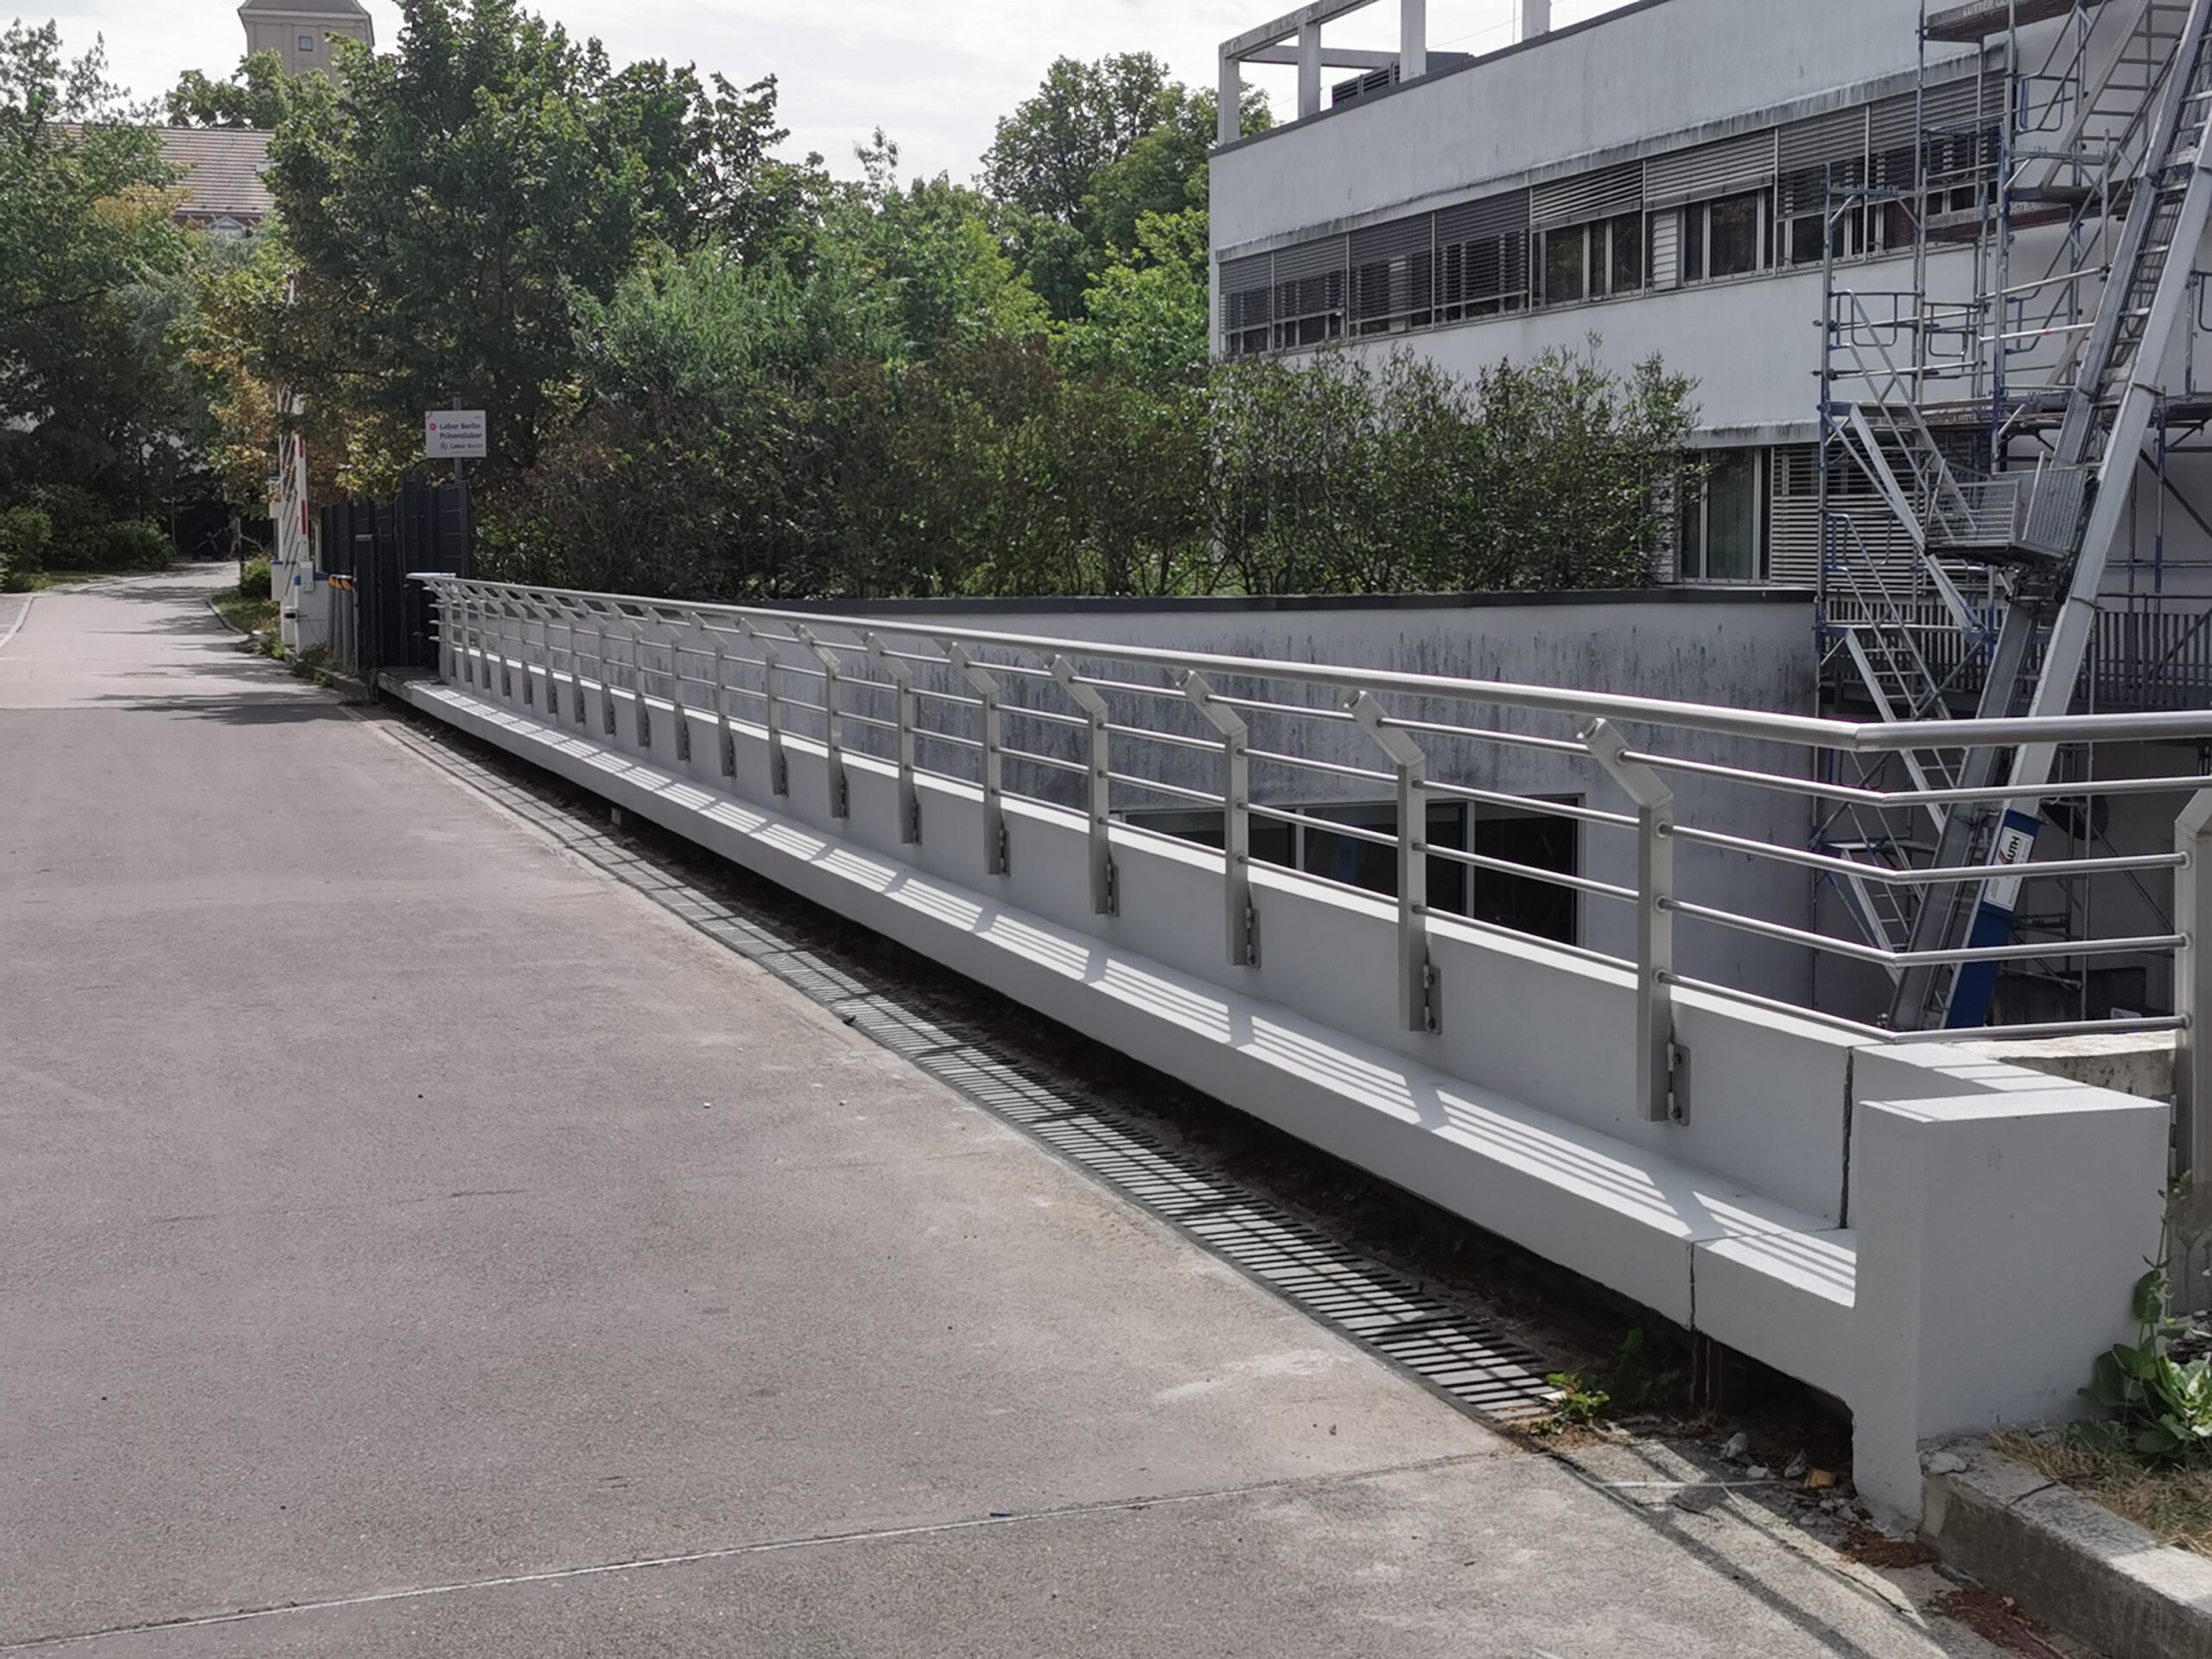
412,1242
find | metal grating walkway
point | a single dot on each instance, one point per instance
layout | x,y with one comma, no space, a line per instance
1459,1357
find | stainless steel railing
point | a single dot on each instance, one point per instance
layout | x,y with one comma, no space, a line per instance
1100,729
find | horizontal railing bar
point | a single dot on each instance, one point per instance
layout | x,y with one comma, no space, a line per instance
2046,951
1353,831
1173,740
2049,1028
1486,735
1572,809
1013,754
1856,1027
1176,789
1859,795
1534,873
1807,730
1920,877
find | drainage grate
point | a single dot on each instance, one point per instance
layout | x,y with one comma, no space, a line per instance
1458,1357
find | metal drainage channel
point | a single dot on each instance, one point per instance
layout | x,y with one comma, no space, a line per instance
1473,1366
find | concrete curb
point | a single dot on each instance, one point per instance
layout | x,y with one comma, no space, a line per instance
2066,1559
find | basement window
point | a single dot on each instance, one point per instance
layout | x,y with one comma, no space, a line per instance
1536,840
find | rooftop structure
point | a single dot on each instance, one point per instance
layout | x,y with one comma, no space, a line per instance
299,30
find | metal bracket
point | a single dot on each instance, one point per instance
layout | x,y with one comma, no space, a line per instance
1241,917
1105,880
901,675
1418,1003
779,776
833,721
1662,1074
985,686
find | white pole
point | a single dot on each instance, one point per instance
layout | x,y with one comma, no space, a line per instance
1413,38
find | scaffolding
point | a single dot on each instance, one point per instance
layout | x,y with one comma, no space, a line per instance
1985,420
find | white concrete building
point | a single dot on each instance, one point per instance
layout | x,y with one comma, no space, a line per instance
1877,236
300,31
1657,177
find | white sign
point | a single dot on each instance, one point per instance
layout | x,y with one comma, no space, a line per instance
454,435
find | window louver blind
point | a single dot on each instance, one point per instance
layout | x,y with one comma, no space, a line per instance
1311,260
1666,250
1813,153
1720,169
1588,196
1393,268
1950,106
1247,286
1839,137
1492,216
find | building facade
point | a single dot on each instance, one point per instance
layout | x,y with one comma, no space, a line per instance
1664,178
300,31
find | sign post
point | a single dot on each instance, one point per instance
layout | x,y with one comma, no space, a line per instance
460,436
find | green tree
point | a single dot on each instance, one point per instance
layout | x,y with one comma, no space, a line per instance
259,94
91,264
456,201
935,246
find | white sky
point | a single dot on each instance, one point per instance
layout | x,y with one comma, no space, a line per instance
934,73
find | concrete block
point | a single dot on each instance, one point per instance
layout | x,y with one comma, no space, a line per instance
2069,1560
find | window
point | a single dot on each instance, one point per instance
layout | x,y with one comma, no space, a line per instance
1811,224
1726,237
1482,276
1589,262
1724,520
1309,294
1247,305
307,43
1393,277
1524,836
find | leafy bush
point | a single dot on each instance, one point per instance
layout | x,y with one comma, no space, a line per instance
76,517
253,581
133,544
2162,1404
25,534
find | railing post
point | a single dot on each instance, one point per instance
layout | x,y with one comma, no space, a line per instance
1241,921
833,721
679,713
446,655
640,716
901,675
2193,988
1417,999
985,686
606,672
1662,1077
728,738
779,776
1105,880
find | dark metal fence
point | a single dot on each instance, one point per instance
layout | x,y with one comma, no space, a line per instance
379,620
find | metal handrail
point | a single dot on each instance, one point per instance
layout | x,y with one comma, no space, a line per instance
613,644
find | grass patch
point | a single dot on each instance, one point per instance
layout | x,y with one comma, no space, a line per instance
247,614
2173,1502
39,581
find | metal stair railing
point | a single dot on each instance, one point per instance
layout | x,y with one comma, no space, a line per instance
2108,409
